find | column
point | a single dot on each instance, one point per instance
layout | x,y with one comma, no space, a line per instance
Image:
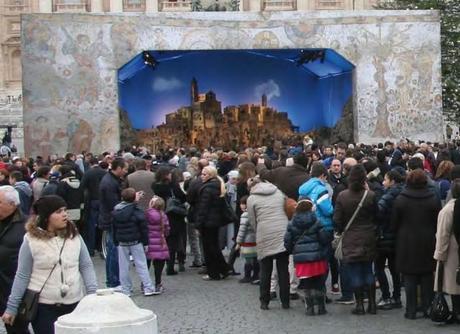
151,6
116,6
45,6
97,6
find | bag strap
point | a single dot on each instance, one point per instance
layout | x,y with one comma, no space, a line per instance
54,267
356,212
440,275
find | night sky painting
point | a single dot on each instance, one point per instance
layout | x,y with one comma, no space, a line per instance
312,93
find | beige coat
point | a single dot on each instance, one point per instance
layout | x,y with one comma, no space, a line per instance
266,215
447,249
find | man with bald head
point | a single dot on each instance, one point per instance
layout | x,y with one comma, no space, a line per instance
11,235
192,187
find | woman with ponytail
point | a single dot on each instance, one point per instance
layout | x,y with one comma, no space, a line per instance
157,251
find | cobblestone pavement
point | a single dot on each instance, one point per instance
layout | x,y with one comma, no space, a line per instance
193,306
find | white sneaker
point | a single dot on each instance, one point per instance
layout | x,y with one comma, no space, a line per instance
148,293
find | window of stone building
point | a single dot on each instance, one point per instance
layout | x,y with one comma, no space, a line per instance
133,5
71,5
329,4
16,69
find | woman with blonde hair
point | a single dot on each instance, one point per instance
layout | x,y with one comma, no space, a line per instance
208,221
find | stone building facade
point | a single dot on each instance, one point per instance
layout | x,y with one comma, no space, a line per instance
10,32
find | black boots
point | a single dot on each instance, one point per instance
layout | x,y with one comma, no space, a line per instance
313,297
309,302
359,296
372,306
321,301
359,308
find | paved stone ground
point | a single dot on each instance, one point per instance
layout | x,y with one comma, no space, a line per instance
193,306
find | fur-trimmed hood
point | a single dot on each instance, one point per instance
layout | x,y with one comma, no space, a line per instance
37,232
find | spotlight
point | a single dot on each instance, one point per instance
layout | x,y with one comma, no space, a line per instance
149,60
307,56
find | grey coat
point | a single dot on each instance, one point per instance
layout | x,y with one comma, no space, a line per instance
447,249
246,233
267,216
141,180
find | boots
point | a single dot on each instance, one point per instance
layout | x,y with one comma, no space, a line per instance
372,305
309,302
321,301
359,308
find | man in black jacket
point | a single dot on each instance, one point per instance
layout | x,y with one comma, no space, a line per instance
11,235
109,196
90,185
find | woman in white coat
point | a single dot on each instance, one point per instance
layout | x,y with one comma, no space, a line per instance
447,250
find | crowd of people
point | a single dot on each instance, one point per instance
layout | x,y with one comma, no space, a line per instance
333,220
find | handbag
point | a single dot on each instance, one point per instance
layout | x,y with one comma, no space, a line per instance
27,310
228,214
174,205
289,207
338,238
439,308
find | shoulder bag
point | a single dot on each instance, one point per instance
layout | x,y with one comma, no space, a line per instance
174,205
228,214
27,310
439,308
339,238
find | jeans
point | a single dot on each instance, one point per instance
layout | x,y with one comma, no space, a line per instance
90,229
47,316
111,262
345,281
361,274
140,263
266,268
382,277
195,244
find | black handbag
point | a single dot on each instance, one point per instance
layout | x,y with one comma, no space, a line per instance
174,205
27,310
228,214
439,308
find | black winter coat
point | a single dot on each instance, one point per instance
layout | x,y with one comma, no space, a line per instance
129,224
359,242
109,196
414,219
11,236
287,179
91,181
386,236
208,209
306,238
164,190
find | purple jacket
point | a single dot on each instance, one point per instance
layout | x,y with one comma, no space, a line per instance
158,230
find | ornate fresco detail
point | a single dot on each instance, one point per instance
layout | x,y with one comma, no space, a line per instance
70,78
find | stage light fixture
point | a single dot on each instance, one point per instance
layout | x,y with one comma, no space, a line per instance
307,56
149,60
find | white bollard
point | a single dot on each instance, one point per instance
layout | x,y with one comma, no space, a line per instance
107,312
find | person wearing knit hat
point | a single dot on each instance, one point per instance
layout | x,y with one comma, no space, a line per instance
65,272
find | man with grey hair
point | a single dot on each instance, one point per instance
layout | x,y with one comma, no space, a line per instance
11,235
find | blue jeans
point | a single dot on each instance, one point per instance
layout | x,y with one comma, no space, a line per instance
140,263
345,281
111,262
361,274
90,231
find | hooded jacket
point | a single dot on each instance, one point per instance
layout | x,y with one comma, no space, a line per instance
25,196
315,189
129,224
69,189
265,207
306,238
37,187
